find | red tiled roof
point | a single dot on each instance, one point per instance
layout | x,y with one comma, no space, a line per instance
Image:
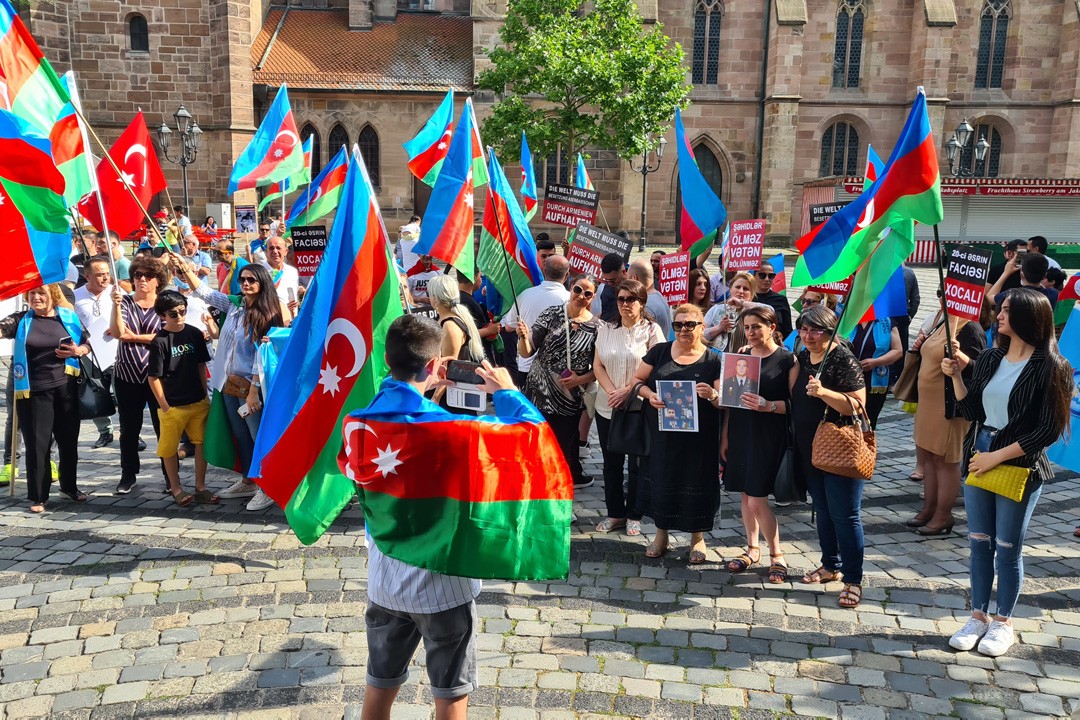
316,50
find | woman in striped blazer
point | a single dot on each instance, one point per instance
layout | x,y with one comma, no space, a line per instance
1018,402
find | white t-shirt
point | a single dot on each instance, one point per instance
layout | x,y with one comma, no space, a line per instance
418,284
290,278
185,226
532,302
94,314
995,397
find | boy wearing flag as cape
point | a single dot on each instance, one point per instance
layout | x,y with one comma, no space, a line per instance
404,452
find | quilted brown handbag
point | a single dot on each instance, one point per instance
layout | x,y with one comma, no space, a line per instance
846,450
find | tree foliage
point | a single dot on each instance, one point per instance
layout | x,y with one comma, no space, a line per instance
581,79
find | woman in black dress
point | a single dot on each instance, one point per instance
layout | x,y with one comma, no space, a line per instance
754,440
684,466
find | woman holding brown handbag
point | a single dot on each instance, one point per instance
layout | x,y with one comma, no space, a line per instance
1018,399
823,383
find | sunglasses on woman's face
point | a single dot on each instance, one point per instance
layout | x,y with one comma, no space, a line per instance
688,325
626,299
578,290
248,280
810,303
142,276
811,332
176,314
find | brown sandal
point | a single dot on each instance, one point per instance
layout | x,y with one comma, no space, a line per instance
850,596
744,562
822,576
182,498
205,497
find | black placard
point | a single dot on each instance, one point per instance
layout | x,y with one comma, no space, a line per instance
820,213
965,281
568,205
308,237
590,246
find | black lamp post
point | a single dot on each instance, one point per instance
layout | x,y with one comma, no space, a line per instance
954,148
645,170
190,133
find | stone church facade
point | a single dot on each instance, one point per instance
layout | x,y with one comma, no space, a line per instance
779,101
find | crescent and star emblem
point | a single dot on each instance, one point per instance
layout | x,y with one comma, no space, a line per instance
868,216
386,462
129,178
328,376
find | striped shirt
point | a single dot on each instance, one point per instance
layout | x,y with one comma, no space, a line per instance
404,588
133,359
620,349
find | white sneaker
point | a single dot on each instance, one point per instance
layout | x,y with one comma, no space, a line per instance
260,501
968,636
238,490
997,640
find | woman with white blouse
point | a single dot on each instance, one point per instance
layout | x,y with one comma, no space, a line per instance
620,345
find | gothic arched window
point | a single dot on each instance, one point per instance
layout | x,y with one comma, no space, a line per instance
707,17
839,150
849,40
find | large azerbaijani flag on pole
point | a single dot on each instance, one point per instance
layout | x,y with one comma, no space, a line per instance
322,194
274,153
505,241
702,213
283,187
428,149
29,175
908,191
492,502
332,364
528,179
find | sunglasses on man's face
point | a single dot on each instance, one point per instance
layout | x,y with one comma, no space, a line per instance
587,294
264,229
176,314
766,276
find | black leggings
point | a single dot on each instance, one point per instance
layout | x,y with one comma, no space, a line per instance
620,505
42,416
131,400
565,428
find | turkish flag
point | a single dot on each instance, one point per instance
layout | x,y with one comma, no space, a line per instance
133,152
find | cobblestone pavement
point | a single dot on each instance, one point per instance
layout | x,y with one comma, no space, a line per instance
133,607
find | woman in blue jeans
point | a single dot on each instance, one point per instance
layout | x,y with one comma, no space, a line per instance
1018,403
820,388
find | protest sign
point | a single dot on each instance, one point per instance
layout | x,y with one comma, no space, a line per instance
309,242
744,245
841,288
674,280
590,246
568,205
820,213
965,281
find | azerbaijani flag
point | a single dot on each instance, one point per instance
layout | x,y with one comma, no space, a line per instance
286,186
29,86
69,147
505,241
479,160
32,258
332,364
581,176
274,153
447,230
528,179
908,191
492,502
702,212
779,283
428,149
29,176
322,194
1066,451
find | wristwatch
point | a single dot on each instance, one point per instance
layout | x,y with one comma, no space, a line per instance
772,406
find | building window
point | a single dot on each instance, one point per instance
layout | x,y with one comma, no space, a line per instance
557,169
849,39
707,16
368,143
714,176
993,31
309,131
839,150
991,164
339,138
139,34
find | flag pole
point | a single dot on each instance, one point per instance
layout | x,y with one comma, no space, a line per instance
14,444
939,247
77,224
112,164
92,172
505,253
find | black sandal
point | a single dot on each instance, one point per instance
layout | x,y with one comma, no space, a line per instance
744,562
77,496
778,571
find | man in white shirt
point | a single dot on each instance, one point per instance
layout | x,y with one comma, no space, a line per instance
94,306
419,275
535,300
641,270
285,276
1038,244
183,221
408,236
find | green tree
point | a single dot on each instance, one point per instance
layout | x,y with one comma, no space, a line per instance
581,79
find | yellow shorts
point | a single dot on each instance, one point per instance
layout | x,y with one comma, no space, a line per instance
190,418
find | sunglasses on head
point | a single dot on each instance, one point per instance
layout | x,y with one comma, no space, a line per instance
248,280
626,299
766,275
688,325
578,290
176,314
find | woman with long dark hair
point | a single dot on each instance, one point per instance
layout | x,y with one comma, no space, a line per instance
234,376
700,289
824,383
620,345
1018,402
135,324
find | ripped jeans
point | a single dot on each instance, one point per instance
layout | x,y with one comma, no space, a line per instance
996,530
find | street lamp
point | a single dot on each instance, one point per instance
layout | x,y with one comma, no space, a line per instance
645,169
954,148
190,133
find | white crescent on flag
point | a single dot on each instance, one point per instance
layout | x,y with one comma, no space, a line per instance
135,149
351,427
341,326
